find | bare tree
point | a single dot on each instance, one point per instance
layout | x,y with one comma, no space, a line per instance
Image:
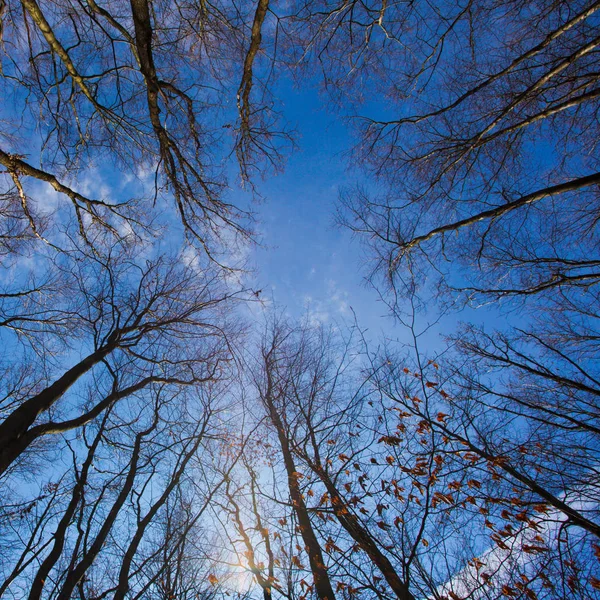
137,325
313,412
485,193
146,480
412,487
142,86
271,391
466,164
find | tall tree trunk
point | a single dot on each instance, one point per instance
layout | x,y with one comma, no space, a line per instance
14,428
350,522
321,579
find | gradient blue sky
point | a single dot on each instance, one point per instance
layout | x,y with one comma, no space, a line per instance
306,263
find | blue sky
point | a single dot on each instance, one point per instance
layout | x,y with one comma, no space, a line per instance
306,263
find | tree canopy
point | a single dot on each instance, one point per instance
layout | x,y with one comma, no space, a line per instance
168,433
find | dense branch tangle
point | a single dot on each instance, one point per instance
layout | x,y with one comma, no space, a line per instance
482,140
135,336
140,477
119,352
120,408
140,87
485,163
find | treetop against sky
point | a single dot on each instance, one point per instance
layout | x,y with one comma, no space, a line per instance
299,299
